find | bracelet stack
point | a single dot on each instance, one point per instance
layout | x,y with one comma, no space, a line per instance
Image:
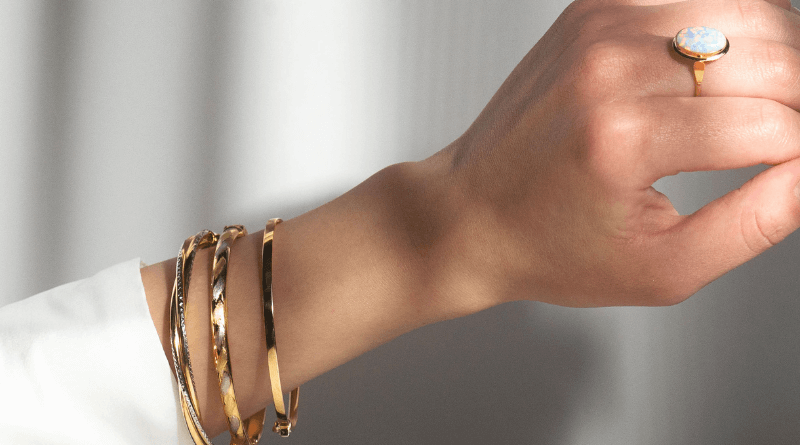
242,431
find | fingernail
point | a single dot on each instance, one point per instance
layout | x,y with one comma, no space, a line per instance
795,10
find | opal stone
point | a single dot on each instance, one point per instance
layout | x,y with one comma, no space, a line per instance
701,40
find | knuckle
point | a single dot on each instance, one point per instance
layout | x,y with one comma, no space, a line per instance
760,230
603,68
615,133
779,66
773,123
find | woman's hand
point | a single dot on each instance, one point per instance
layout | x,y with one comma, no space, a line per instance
555,176
547,196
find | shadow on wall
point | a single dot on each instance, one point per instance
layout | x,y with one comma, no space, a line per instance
500,376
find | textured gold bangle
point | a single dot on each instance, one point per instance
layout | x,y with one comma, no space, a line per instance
284,424
246,432
178,337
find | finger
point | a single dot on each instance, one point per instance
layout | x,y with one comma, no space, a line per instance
735,18
650,67
785,4
647,2
729,231
757,68
645,140
699,134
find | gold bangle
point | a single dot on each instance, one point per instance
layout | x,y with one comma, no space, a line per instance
178,338
283,425
249,431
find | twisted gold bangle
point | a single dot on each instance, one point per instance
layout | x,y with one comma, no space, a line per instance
249,431
178,337
283,425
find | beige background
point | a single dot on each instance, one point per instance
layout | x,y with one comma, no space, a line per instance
127,127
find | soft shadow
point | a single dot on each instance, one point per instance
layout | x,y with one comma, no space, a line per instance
500,376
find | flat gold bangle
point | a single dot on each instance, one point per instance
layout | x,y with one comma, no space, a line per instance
178,337
283,425
246,432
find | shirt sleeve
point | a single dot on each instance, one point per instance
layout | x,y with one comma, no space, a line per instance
83,364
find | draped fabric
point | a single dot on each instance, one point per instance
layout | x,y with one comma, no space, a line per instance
82,364
127,126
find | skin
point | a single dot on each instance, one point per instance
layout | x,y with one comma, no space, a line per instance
547,196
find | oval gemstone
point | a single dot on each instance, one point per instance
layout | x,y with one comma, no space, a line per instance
701,40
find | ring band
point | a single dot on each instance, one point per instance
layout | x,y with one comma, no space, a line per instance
701,44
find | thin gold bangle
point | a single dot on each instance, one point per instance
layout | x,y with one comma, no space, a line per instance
283,425
249,431
178,337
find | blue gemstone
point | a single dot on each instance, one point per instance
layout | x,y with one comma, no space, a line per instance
701,40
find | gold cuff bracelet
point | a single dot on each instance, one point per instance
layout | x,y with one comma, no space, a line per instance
283,425
178,338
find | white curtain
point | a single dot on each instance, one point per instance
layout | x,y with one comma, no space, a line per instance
127,126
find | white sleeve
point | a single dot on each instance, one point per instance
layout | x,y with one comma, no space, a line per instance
83,364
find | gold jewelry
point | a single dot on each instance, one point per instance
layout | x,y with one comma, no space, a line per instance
249,431
178,337
701,44
283,425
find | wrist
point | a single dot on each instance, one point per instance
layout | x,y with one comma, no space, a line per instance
430,206
389,256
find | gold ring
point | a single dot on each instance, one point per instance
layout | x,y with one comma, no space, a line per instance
701,44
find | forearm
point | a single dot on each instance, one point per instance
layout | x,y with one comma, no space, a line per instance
351,275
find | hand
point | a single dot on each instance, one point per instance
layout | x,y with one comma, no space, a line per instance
547,196
555,176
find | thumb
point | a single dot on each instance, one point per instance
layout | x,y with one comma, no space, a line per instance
732,229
